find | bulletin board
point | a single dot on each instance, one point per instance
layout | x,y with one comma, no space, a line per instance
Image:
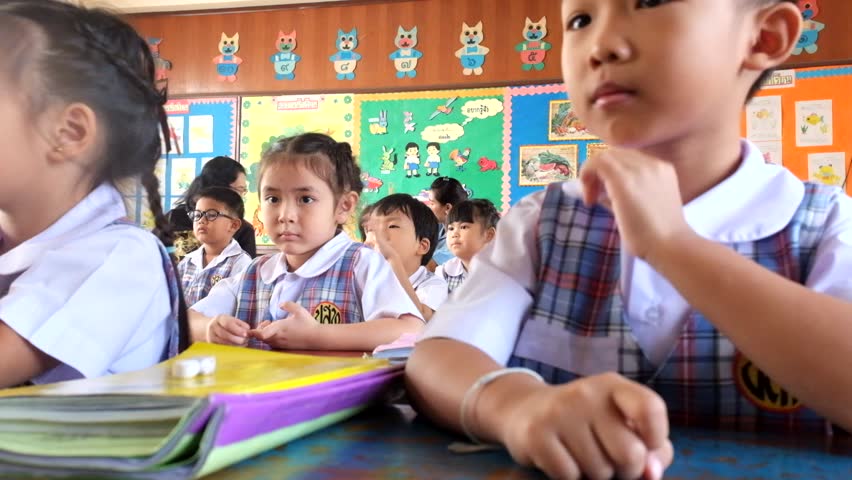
544,141
405,141
200,129
815,126
266,119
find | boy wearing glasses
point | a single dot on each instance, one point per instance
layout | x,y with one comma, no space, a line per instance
217,217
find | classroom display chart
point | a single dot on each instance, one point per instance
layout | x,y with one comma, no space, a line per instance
407,140
816,123
544,141
199,129
267,119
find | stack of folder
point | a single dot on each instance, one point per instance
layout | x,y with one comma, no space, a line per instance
152,424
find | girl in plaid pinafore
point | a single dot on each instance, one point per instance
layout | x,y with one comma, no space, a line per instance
704,380
322,291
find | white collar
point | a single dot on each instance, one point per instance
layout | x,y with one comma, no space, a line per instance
756,201
318,264
419,276
454,267
196,257
98,209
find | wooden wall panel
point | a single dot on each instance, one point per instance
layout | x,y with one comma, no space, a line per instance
190,42
835,41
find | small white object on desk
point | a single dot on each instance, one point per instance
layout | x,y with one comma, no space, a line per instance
208,364
186,368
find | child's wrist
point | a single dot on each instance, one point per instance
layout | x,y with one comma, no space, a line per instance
487,403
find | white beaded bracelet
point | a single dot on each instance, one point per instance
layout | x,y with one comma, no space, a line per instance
478,385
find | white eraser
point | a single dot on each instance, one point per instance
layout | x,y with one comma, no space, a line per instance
208,364
186,368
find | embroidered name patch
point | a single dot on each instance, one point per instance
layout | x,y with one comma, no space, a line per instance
760,390
328,313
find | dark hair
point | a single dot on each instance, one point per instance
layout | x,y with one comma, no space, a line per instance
448,190
425,223
478,210
764,75
365,215
434,144
218,172
330,160
61,53
412,145
226,196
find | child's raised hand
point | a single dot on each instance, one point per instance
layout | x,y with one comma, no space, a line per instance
227,330
644,195
598,427
381,245
294,332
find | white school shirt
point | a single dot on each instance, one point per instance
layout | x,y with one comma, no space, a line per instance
94,298
452,268
756,201
430,288
382,296
196,257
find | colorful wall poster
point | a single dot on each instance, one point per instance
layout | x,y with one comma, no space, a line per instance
814,121
529,116
199,129
827,168
266,119
763,119
773,152
407,140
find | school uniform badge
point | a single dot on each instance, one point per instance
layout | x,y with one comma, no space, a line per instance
760,390
328,313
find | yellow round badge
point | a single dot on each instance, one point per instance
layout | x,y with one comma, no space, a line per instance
328,313
760,390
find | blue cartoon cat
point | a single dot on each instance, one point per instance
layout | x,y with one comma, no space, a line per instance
405,59
472,54
346,59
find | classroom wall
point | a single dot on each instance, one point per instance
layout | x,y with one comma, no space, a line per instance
191,41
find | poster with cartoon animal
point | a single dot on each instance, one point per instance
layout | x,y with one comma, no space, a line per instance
455,133
228,63
161,65
405,57
472,54
540,165
827,168
564,123
534,49
265,119
810,28
345,60
814,123
763,119
284,60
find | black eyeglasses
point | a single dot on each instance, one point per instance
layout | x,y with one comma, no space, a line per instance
210,215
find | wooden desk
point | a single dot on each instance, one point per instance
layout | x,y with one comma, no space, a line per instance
391,443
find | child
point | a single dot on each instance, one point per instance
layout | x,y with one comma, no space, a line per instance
405,231
681,275
443,194
364,221
470,226
335,294
412,160
217,217
83,292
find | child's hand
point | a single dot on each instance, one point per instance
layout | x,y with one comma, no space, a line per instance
643,193
227,330
603,426
381,245
296,331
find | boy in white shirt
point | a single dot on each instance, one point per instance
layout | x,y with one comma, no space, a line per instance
216,218
405,231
